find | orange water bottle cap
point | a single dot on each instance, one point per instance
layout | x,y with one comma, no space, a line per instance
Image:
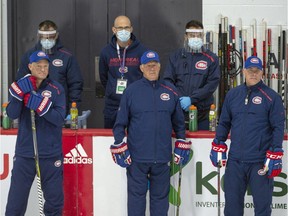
192,107
74,104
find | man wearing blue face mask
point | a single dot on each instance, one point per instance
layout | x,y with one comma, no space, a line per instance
119,66
194,70
63,66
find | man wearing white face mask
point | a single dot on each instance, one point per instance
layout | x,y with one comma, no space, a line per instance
63,66
119,66
195,71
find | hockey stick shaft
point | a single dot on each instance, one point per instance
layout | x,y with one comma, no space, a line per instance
38,175
218,187
269,33
283,53
179,189
279,60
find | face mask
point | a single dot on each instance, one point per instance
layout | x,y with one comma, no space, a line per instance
123,35
47,43
195,43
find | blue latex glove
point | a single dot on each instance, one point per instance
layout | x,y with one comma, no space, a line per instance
273,162
182,151
68,117
218,153
185,103
121,154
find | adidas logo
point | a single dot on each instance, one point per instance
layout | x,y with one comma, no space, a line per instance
77,155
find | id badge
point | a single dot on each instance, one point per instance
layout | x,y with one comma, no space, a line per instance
121,86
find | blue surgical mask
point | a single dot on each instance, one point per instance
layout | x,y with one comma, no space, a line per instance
123,35
195,43
47,43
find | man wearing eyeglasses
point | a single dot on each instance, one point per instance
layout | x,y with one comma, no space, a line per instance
63,66
119,66
254,115
194,70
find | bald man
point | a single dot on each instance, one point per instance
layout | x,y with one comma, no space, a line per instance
119,66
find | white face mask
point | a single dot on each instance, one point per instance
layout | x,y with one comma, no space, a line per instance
47,43
195,43
123,35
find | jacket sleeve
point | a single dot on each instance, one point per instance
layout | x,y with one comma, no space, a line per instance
122,119
169,73
277,119
224,125
74,81
178,121
103,69
14,108
211,84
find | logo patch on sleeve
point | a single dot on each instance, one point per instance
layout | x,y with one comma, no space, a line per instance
46,93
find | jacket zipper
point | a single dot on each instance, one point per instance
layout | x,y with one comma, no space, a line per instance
246,102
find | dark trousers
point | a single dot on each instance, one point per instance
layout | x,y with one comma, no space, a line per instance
159,184
238,175
23,174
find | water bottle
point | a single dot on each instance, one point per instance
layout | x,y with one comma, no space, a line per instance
6,122
212,118
193,126
74,116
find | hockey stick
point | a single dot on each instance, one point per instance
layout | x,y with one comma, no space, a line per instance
241,47
280,61
179,189
264,41
38,176
254,38
218,184
283,64
269,35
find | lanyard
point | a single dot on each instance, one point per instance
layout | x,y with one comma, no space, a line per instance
122,64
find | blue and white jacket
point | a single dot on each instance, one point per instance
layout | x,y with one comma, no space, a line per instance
63,68
48,126
196,75
150,110
256,118
109,65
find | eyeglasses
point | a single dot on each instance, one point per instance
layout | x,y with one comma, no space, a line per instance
120,28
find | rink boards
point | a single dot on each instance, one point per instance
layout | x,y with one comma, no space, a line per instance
94,185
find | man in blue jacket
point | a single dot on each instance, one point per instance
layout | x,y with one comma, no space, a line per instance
47,98
195,72
149,110
255,115
119,66
63,66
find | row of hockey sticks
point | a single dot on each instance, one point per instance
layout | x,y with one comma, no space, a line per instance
231,57
270,59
